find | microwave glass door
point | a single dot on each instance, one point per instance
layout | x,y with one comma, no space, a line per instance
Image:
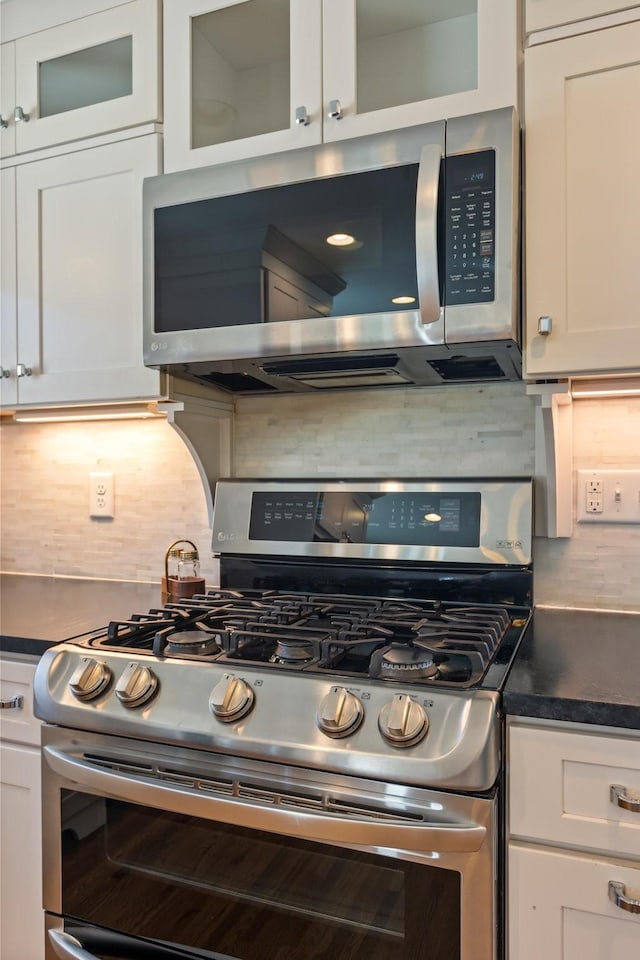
329,247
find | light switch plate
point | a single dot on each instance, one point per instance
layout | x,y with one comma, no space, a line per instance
608,496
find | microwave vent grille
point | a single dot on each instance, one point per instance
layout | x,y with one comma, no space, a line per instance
468,368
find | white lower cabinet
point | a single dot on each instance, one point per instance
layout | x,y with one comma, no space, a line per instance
72,276
21,914
574,843
561,910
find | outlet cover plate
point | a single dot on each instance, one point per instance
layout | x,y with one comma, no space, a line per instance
101,495
617,492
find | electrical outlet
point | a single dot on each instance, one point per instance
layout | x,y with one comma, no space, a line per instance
101,495
608,496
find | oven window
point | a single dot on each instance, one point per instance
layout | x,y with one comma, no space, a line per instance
245,894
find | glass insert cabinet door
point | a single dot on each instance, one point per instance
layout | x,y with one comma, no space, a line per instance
250,77
413,61
88,76
242,78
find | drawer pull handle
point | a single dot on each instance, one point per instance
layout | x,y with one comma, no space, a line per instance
617,896
15,703
619,796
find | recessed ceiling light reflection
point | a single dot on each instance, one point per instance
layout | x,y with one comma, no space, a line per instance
341,240
403,300
433,517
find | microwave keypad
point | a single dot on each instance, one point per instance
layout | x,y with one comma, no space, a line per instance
470,228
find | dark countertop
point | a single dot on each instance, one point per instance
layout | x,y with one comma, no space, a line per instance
578,665
36,612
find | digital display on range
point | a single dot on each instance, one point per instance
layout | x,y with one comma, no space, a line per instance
407,519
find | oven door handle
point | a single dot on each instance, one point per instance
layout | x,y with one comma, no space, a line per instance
67,947
450,837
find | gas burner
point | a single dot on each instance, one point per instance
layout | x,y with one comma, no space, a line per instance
402,661
192,643
287,646
292,651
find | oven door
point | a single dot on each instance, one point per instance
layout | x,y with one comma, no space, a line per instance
159,852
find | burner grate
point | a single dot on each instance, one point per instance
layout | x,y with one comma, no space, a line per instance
380,638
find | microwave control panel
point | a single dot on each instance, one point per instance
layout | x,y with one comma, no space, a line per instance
470,181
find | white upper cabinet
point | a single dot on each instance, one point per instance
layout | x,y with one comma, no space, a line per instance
7,98
81,78
238,75
413,61
71,323
251,77
542,14
582,215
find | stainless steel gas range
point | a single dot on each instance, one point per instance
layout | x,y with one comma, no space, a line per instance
307,760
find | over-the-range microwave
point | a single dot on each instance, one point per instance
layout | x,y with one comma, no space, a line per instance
388,259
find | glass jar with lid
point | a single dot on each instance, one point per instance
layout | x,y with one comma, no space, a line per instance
188,565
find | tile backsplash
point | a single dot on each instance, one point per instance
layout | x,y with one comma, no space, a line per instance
46,527
454,431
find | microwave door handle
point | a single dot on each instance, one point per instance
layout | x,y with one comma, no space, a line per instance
427,195
461,837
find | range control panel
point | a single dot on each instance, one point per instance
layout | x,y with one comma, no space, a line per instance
470,227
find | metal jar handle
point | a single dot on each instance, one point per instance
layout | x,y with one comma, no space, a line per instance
170,548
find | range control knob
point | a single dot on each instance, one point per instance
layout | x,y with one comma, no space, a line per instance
231,698
136,686
403,722
89,679
340,713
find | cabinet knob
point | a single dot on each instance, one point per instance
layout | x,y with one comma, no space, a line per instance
545,326
617,895
20,116
302,117
621,798
5,372
22,370
335,110
14,703
3,122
